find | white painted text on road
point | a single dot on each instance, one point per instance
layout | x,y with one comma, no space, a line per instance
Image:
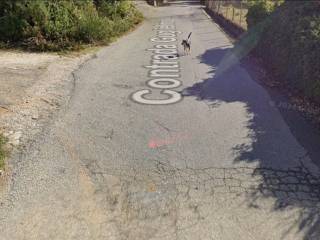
164,69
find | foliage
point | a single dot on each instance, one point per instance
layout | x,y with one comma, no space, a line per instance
290,46
91,27
123,13
64,24
258,10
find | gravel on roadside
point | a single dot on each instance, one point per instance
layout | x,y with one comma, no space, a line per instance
33,87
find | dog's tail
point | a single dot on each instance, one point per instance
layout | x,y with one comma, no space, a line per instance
189,36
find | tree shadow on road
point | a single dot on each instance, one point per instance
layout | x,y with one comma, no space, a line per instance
287,173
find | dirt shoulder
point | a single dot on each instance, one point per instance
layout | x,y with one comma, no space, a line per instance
33,87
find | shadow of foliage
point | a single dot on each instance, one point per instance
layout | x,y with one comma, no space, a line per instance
287,168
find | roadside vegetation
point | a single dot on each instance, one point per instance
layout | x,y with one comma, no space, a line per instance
284,36
259,10
46,25
2,152
289,43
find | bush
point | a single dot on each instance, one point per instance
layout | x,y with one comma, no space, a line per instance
122,13
64,24
290,46
92,27
258,10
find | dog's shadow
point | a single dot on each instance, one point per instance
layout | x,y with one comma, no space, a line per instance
182,54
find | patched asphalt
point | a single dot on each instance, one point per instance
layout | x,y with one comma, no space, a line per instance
221,163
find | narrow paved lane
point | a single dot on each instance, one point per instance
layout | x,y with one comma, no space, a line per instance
220,163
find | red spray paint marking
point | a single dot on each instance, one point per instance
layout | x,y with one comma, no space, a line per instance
155,143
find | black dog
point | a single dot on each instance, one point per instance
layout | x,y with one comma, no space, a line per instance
186,43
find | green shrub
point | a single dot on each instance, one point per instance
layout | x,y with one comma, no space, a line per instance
123,14
58,21
290,46
92,27
64,24
118,9
306,55
259,10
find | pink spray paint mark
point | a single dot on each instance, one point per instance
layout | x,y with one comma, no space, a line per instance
155,143
152,144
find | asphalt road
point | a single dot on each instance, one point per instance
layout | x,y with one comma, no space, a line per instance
219,163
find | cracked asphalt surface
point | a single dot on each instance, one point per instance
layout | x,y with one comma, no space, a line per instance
226,164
